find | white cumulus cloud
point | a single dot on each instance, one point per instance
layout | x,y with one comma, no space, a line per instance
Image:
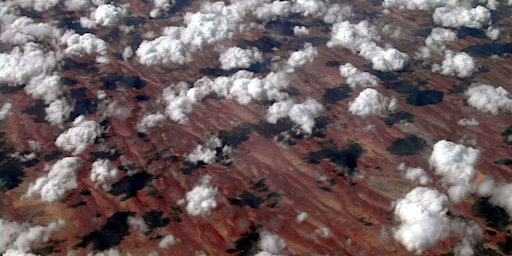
455,17
460,64
102,173
489,99
303,57
80,136
201,199
302,114
61,178
19,239
371,102
357,78
236,57
455,163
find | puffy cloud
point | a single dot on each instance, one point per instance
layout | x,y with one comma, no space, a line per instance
236,57
360,38
352,36
38,5
301,217
21,64
161,5
501,197
315,8
58,111
460,64
371,102
102,173
163,50
109,252
323,231
167,241
468,122
270,244
205,29
302,114
462,17
205,152
106,15
493,33
76,5
417,174
422,213
436,42
302,57
45,87
418,4
201,199
178,104
61,178
300,31
390,60
356,77
137,224
270,11
5,111
19,239
455,163
150,121
78,45
489,99
80,136
24,30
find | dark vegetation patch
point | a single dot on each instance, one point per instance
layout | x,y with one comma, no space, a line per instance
409,145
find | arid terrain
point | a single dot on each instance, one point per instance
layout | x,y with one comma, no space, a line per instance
343,175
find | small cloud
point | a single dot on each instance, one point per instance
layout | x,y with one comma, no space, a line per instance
86,44
61,178
5,111
167,241
163,50
417,174
302,57
201,199
371,102
19,239
455,17
300,31
270,244
236,57
106,15
302,114
468,122
460,64
102,173
302,217
455,163
58,111
79,137
489,99
357,78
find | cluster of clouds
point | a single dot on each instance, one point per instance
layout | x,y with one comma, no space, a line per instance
19,239
209,151
236,57
302,114
80,136
424,221
160,6
357,78
499,193
489,99
242,87
362,38
455,164
456,17
61,178
201,199
370,102
86,44
102,173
